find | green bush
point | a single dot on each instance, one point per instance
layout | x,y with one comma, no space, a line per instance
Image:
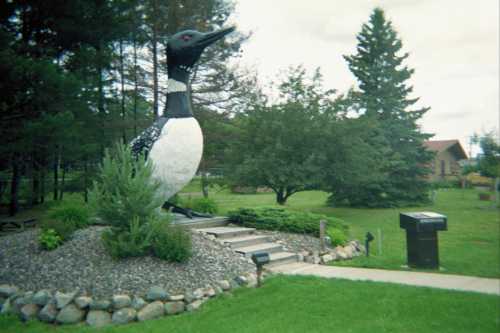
71,211
337,236
202,205
134,242
49,239
63,229
284,220
172,243
125,190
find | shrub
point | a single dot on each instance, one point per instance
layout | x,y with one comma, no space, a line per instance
337,236
134,242
125,190
202,205
172,243
284,220
70,211
49,239
63,229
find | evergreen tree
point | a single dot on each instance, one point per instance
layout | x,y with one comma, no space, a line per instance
384,98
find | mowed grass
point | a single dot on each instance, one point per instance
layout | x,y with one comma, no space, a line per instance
470,246
307,304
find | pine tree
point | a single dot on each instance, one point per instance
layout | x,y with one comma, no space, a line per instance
384,97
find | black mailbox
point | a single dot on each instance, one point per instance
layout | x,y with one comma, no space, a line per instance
260,258
421,237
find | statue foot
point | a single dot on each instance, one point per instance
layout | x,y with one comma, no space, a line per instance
184,211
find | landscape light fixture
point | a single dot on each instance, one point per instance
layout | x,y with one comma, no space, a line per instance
260,259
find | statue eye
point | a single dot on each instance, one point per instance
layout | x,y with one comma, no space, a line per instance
186,38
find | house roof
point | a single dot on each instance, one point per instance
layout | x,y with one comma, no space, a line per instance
453,146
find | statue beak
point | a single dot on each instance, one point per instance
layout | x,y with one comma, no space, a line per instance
212,37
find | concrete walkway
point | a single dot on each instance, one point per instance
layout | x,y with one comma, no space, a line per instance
432,280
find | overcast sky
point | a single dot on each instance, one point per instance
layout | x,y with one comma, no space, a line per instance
453,46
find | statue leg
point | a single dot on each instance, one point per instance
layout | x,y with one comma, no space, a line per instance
184,211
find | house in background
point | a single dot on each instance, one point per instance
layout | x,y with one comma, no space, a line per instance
446,164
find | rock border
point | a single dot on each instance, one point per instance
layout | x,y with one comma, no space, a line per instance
74,307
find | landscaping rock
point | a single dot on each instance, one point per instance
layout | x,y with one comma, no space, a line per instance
224,284
175,298
195,305
64,299
121,301
29,311
192,296
138,303
7,307
98,318
48,313
251,280
156,293
326,258
174,307
70,314
83,301
151,311
348,251
218,290
209,292
42,297
241,280
341,253
101,304
124,316
7,290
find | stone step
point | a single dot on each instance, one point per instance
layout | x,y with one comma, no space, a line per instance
246,240
264,247
279,258
228,232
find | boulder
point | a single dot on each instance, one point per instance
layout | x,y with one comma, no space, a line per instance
98,318
192,296
348,251
195,305
138,303
48,313
209,292
175,298
241,280
70,314
156,293
7,290
83,301
225,285
7,306
29,311
174,307
121,301
100,304
42,297
63,299
326,258
124,316
151,311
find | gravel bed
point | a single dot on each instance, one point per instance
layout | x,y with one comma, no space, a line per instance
293,242
83,263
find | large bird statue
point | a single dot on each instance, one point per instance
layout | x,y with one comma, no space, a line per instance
174,143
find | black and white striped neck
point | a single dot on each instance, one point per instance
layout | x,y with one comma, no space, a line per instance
178,102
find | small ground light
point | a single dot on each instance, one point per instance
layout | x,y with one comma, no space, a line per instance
260,259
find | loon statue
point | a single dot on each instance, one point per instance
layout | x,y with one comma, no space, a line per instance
174,143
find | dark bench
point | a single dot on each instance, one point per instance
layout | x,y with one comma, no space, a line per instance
16,224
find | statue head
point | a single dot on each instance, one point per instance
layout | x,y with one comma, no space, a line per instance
185,47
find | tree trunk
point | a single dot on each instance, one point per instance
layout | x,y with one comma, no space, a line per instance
85,182
204,184
35,185
281,197
14,187
63,177
136,87
154,43
42,185
122,81
56,175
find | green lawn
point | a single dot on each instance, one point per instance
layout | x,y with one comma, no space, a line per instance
470,246
304,304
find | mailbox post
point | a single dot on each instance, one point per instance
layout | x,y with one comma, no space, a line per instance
421,237
260,259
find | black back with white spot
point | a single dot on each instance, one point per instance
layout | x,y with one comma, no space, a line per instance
144,142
